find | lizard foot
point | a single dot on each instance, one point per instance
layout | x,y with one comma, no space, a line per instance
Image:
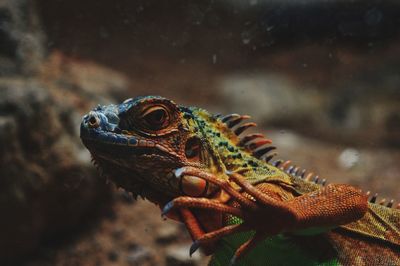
249,211
326,207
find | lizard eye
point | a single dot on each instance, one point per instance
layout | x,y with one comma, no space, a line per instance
150,116
156,117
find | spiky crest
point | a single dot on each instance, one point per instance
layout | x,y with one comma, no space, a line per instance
259,146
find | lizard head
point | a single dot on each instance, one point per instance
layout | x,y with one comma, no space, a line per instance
140,143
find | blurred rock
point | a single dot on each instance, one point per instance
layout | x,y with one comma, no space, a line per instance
83,83
113,256
357,116
21,39
47,183
167,233
348,158
285,139
178,255
138,255
125,196
269,98
117,234
48,186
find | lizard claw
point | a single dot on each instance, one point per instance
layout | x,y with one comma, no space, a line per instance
194,247
227,172
232,262
167,208
179,172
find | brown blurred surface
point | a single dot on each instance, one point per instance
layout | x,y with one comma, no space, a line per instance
321,79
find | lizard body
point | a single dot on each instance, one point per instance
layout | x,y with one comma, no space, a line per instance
236,201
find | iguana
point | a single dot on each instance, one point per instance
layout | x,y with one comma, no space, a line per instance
237,201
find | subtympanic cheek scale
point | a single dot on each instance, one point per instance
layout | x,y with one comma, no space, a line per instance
193,186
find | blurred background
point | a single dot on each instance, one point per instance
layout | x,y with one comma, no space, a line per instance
321,78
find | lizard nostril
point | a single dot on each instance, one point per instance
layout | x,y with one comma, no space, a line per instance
93,121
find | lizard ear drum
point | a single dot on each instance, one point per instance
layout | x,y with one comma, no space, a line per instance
193,186
193,149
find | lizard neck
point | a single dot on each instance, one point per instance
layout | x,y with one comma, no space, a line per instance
226,155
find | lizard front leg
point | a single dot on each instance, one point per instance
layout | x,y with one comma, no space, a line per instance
327,207
332,205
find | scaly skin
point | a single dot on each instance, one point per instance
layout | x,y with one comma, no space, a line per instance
236,202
